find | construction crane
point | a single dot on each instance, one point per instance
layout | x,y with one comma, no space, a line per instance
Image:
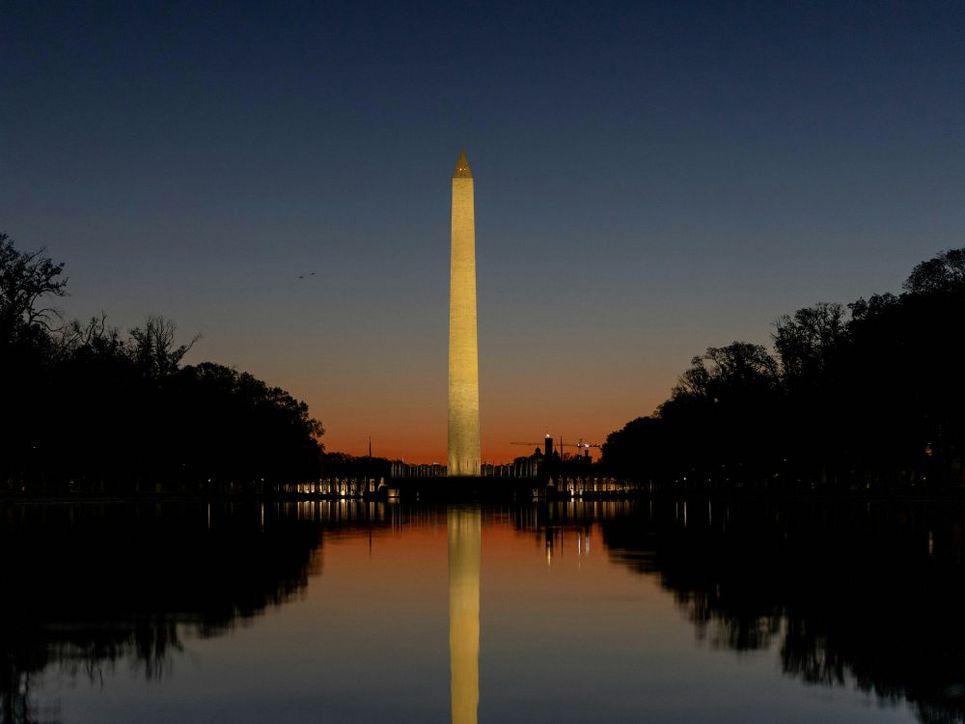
587,445
547,444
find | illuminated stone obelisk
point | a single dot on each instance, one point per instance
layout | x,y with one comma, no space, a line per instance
465,544
463,349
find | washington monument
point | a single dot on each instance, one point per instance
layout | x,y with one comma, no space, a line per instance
463,348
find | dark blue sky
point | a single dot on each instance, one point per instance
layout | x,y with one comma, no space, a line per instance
651,179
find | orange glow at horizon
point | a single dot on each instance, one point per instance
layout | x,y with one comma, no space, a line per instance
403,410
401,428
412,446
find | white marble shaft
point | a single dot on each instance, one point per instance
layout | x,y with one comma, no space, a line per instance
463,350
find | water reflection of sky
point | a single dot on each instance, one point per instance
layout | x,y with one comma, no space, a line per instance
570,629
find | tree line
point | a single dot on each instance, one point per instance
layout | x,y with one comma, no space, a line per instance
87,408
865,395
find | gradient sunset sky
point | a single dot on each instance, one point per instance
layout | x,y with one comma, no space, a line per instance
651,179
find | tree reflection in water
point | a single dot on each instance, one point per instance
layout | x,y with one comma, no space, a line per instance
846,593
868,594
88,586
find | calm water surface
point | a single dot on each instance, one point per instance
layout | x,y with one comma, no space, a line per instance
663,611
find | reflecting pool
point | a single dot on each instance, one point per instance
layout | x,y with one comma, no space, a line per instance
655,610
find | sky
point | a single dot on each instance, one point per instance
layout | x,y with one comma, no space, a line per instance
651,179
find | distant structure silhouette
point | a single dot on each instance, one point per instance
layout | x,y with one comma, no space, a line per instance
464,448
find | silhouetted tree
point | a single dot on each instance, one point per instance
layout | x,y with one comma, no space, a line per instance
26,278
719,421
88,409
945,272
153,349
874,400
806,341
343,465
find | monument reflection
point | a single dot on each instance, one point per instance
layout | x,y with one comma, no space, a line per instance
465,543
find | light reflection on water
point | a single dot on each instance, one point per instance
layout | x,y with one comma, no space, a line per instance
465,543
661,610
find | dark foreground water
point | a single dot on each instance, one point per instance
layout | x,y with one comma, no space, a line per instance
657,611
